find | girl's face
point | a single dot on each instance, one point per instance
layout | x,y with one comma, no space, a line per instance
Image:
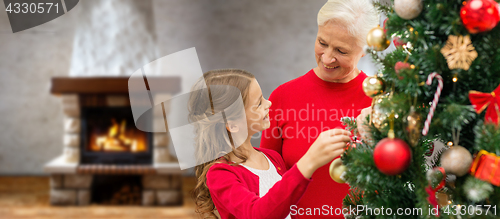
256,109
337,54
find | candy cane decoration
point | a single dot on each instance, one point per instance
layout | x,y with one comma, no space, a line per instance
434,102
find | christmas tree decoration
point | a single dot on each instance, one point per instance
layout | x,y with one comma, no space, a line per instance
408,9
477,190
411,33
440,6
480,15
435,176
385,29
488,101
429,152
434,101
351,125
444,199
354,143
373,86
456,160
399,66
486,167
413,126
398,42
379,115
459,52
337,170
377,39
450,62
392,156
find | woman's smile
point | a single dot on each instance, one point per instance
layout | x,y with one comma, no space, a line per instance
330,67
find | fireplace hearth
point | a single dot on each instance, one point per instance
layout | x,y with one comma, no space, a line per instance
105,158
117,190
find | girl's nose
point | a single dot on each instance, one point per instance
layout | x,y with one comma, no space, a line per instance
269,104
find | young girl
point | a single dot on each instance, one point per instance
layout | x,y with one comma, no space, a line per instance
248,182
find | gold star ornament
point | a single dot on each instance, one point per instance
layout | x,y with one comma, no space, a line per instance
459,52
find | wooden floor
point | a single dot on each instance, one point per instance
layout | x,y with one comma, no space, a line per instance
28,197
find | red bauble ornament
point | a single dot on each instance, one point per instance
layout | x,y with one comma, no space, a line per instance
392,156
399,66
480,15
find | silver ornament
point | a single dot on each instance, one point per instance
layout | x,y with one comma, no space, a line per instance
456,160
408,9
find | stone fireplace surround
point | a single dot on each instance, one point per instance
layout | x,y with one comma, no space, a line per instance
71,180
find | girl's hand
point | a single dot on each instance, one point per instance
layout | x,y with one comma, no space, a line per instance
329,145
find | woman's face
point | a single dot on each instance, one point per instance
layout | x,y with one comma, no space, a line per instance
257,109
337,54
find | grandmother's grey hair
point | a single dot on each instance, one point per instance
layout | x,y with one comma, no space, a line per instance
358,17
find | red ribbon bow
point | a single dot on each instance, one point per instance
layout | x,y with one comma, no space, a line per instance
482,101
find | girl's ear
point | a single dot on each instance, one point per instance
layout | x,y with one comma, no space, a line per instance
232,127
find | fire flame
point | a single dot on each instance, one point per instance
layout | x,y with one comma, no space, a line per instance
118,139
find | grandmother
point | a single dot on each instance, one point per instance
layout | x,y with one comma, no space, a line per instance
312,103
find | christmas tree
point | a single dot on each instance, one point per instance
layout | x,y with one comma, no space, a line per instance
442,83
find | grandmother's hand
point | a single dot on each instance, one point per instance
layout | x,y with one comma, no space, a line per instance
363,129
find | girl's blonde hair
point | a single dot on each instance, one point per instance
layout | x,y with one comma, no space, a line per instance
210,137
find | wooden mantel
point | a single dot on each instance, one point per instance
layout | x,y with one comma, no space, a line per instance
107,85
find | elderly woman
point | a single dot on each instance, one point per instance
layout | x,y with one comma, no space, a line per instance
306,106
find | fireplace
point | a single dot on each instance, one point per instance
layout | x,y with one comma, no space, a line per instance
109,136
105,159
117,190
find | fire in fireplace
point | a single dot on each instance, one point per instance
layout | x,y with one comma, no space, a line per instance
109,135
118,137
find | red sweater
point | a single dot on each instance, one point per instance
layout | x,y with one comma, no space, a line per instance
302,108
235,190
